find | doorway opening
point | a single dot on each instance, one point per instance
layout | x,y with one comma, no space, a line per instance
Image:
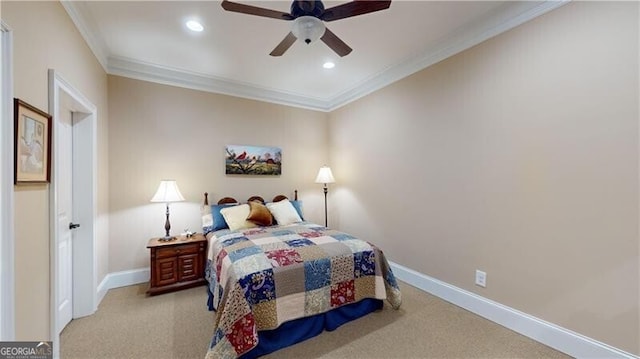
73,183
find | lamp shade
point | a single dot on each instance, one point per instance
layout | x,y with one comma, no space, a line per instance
325,175
167,192
307,28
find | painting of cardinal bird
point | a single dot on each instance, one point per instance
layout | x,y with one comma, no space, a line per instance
253,160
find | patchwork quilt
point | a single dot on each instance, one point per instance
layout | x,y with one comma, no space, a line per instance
263,277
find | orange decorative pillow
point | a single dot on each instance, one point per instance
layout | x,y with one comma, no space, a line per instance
259,214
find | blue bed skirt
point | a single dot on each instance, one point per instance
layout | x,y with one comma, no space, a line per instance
297,330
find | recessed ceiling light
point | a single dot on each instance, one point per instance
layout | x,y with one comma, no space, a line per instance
194,26
329,65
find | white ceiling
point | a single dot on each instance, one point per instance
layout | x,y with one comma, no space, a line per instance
148,40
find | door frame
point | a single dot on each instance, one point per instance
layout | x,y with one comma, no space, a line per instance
85,201
7,234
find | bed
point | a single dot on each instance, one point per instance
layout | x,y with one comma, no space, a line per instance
275,280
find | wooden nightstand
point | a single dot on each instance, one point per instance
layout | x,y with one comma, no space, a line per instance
177,264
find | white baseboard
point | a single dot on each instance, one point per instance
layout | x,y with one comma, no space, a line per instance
564,340
122,279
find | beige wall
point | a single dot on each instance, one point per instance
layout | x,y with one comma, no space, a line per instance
45,38
518,157
159,132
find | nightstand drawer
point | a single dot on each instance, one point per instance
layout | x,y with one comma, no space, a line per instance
177,250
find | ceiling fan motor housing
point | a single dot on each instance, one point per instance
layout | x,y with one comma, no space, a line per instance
307,8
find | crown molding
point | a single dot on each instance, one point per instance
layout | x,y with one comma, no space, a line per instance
81,19
170,76
510,15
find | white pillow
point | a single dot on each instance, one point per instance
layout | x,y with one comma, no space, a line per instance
284,212
236,217
207,219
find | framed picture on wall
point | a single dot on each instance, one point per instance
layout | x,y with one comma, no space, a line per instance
32,144
253,160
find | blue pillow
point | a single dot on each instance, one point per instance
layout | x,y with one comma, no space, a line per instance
298,206
218,220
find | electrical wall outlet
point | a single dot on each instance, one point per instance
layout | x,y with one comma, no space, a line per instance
481,278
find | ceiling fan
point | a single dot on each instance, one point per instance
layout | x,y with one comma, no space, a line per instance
308,18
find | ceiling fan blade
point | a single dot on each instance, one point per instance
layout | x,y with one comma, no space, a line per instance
284,45
354,8
335,43
254,10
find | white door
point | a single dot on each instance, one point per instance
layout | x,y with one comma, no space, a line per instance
73,197
65,217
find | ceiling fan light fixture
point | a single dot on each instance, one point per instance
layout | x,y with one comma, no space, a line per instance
308,29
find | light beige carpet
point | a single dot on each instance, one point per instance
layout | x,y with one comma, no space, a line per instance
129,324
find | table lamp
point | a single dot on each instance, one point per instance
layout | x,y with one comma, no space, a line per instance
167,192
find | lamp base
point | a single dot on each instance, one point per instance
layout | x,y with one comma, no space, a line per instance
166,238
